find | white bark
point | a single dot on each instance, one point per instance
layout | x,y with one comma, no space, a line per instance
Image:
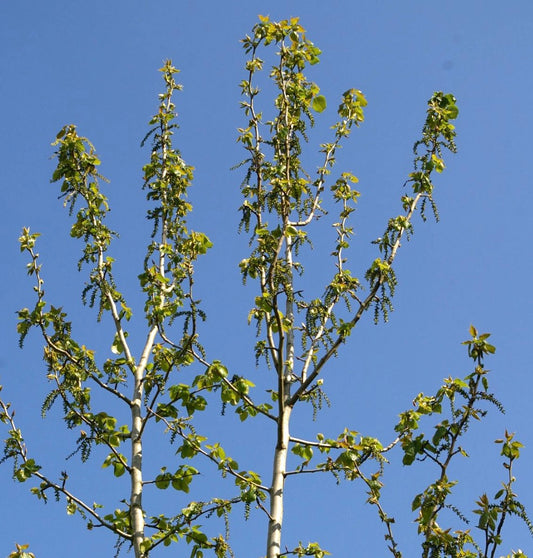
136,509
282,446
278,486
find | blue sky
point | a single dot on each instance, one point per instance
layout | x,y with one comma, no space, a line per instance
96,64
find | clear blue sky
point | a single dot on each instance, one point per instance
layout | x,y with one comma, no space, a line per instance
94,64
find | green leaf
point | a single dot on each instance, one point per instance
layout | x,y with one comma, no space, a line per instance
453,112
117,348
417,502
19,552
145,545
118,469
319,103
163,481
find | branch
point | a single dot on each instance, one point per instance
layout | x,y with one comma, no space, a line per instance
59,350
22,452
189,519
374,496
362,308
313,444
221,465
244,397
328,161
89,423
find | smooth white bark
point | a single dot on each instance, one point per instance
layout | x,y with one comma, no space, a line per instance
278,486
136,509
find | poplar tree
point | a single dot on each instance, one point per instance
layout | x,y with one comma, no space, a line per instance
162,384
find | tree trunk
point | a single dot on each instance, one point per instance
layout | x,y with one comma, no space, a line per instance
277,486
136,511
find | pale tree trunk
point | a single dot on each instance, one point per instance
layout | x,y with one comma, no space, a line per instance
278,486
285,372
136,484
136,509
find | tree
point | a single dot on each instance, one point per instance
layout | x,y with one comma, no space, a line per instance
298,335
